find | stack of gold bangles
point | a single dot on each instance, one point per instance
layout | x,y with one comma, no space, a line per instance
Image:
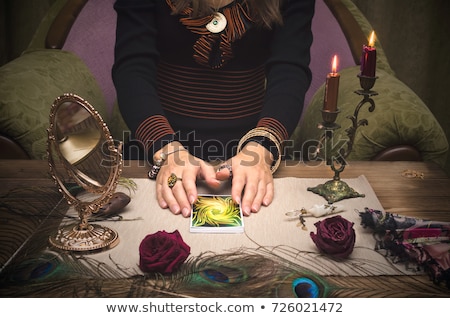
266,133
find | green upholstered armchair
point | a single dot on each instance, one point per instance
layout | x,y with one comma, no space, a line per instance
401,128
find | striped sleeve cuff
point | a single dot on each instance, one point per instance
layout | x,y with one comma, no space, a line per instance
155,132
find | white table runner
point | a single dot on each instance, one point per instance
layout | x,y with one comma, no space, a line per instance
268,231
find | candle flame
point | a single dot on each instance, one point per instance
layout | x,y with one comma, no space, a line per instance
334,65
372,39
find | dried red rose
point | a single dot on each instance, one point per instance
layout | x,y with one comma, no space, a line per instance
162,252
335,236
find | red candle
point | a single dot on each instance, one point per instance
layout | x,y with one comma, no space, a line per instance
369,58
331,88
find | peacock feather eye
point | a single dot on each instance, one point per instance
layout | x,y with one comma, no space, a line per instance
40,268
304,287
215,275
224,274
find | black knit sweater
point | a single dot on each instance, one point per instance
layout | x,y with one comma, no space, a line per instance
176,80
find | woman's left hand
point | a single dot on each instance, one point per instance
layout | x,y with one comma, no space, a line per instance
252,181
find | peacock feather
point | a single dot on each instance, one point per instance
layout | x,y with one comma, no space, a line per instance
243,273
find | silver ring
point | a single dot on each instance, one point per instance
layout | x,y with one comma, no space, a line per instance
227,166
172,180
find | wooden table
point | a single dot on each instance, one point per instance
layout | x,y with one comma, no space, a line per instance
428,197
28,194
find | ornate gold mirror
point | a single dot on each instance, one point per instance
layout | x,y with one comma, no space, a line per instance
81,151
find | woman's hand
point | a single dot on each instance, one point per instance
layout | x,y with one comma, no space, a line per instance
187,169
252,178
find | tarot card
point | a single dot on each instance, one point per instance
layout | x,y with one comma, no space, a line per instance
216,214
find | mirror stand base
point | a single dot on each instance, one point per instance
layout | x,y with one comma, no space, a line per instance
93,239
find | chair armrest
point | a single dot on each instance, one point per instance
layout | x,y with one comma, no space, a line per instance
62,24
9,149
398,153
357,30
350,27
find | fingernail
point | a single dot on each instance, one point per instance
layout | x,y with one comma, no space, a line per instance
175,209
185,211
246,210
192,199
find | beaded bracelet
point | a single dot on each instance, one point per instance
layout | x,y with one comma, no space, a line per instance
266,133
158,163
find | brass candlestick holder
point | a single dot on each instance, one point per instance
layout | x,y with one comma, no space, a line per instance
335,190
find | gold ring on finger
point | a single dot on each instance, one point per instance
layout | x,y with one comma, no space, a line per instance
172,180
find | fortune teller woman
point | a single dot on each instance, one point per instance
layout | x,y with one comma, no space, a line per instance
201,82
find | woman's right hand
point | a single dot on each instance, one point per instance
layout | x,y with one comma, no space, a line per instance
187,168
